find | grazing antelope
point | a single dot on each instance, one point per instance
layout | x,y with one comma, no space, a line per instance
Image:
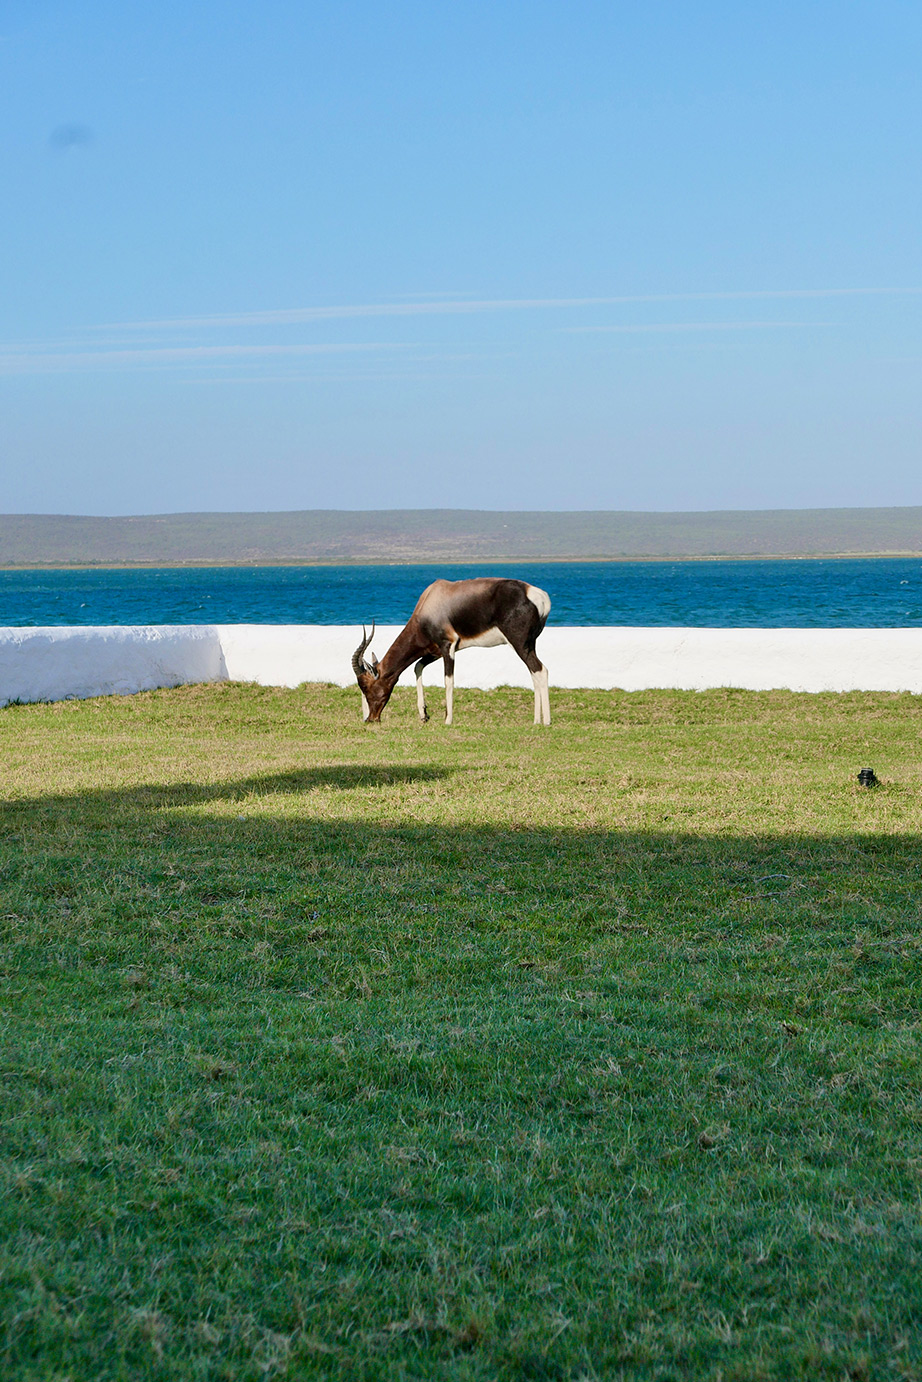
451,615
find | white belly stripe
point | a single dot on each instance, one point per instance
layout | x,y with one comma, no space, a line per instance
492,638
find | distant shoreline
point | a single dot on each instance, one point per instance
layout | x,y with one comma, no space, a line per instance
459,537
205,564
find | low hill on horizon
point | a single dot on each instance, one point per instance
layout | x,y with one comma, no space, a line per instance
456,535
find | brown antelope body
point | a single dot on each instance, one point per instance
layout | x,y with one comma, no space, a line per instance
450,616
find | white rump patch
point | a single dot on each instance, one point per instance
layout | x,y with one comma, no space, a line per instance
540,599
492,638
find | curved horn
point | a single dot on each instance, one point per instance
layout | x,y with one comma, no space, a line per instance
358,664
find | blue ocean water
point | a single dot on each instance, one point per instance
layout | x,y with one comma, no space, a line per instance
870,593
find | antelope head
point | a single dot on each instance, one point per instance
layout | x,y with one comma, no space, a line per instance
368,676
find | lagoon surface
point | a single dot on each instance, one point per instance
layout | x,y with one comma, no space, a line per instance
870,593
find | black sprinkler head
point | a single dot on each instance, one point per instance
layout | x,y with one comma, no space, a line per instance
868,778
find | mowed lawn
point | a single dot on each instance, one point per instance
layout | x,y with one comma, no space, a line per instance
472,1053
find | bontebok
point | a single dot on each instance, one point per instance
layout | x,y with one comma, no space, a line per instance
450,616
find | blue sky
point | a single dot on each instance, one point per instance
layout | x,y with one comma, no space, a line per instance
514,255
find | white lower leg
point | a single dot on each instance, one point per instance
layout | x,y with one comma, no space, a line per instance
421,698
448,661
542,699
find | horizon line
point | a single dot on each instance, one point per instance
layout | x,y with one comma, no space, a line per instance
653,513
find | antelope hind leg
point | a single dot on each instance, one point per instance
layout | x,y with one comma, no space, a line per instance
542,699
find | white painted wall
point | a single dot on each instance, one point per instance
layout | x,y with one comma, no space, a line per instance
58,663
287,654
756,659
66,663
631,658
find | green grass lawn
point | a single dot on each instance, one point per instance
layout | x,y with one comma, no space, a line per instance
470,1053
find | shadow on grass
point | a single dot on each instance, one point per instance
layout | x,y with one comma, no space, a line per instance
583,883
344,777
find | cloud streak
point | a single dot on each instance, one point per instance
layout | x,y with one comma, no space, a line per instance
458,307
683,326
126,349
26,360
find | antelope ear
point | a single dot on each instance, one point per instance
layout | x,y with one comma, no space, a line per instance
374,664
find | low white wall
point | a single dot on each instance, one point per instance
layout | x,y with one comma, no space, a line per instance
631,658
287,654
755,659
68,663
58,663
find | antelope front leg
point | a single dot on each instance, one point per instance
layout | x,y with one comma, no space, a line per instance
449,688
420,691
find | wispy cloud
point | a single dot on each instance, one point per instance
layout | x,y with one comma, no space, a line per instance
460,307
165,344
684,326
32,360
